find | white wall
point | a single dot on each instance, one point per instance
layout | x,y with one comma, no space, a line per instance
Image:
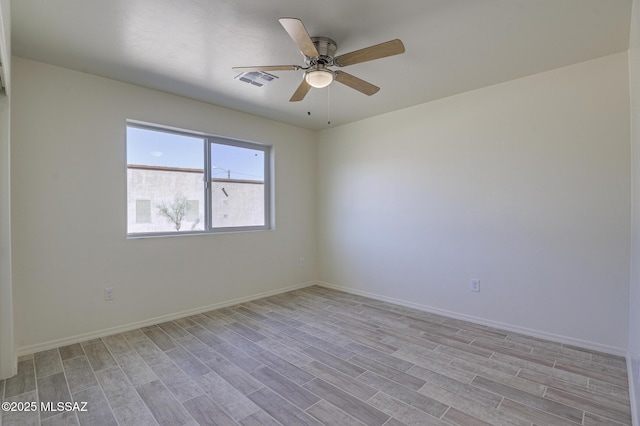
69,210
524,185
633,361
8,365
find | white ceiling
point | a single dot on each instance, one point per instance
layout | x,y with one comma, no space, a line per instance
187,47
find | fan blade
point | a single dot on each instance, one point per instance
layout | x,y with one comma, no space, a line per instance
382,50
300,92
268,68
356,83
300,36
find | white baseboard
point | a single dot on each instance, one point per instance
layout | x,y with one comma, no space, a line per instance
51,344
482,321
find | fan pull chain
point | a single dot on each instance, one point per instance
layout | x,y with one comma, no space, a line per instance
328,107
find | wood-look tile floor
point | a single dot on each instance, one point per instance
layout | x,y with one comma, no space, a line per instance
319,356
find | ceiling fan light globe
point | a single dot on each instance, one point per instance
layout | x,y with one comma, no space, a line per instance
319,78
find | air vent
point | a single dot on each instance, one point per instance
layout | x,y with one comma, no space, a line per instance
256,78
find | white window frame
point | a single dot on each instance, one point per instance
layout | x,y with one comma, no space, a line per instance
208,140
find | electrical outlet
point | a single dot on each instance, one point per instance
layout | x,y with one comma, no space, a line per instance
108,294
475,285
302,262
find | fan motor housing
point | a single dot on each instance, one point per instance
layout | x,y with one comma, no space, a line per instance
326,48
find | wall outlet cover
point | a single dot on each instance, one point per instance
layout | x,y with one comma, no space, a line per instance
108,293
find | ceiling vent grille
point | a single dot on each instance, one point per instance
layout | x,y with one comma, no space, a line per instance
256,78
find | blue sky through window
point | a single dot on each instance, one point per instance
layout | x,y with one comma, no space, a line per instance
157,148
237,162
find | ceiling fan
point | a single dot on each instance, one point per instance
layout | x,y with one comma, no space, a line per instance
319,53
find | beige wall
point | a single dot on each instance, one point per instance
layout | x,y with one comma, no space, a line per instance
524,185
633,360
69,210
8,365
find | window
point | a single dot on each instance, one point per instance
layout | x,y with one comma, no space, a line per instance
180,182
143,211
239,201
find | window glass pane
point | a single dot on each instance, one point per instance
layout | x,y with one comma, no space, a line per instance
237,186
167,170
